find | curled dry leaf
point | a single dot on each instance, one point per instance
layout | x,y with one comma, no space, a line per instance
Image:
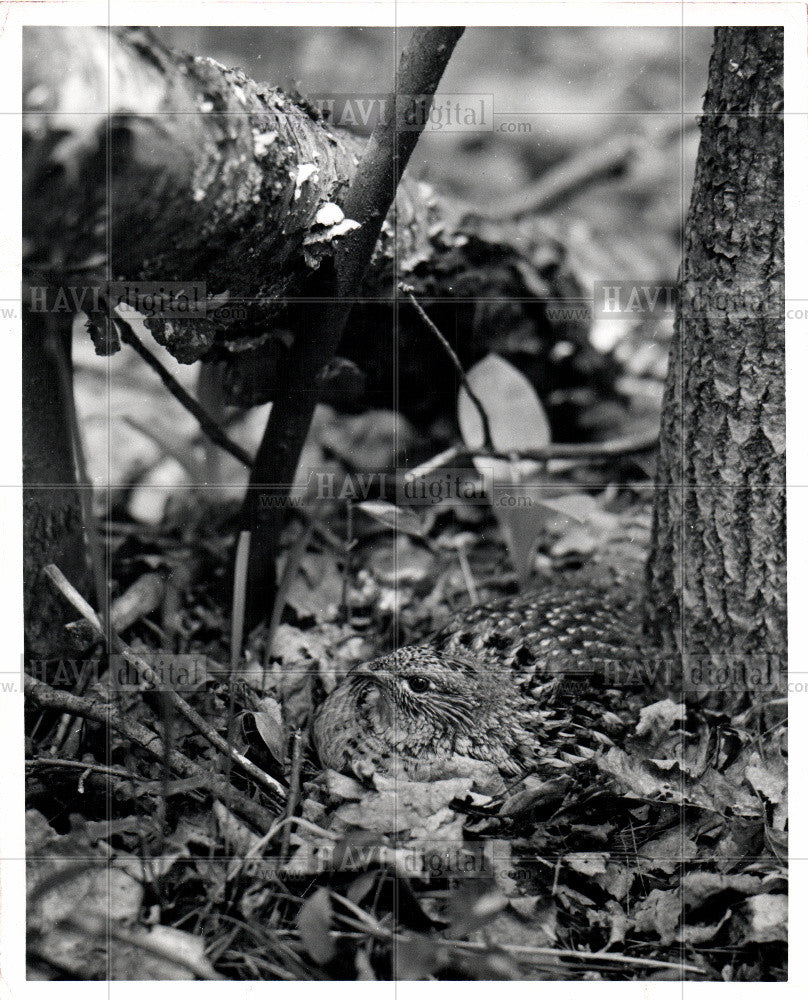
314,927
517,422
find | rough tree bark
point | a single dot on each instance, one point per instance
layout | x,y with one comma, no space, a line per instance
717,570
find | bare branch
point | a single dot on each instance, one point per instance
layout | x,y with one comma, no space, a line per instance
488,441
208,425
368,199
47,697
273,788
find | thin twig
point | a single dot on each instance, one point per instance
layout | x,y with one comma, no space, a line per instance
468,576
580,450
294,790
54,346
371,926
57,763
576,453
488,441
273,788
179,786
237,630
580,956
298,821
585,451
239,592
203,418
346,608
439,461
49,698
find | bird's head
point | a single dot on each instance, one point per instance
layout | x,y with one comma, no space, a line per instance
417,705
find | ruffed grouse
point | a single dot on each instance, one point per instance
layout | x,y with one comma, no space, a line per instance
521,684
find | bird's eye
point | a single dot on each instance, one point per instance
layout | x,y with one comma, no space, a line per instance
418,684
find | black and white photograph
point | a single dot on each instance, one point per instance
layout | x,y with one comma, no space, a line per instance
397,533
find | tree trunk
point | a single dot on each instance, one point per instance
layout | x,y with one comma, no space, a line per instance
717,571
52,521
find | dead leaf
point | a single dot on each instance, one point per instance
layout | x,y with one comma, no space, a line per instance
768,917
587,864
637,777
292,645
316,590
515,414
405,805
473,905
239,838
668,852
402,519
269,723
618,923
398,561
700,886
314,927
517,422
660,913
767,778
416,957
657,719
617,880
167,954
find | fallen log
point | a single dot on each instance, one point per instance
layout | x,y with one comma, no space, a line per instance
190,175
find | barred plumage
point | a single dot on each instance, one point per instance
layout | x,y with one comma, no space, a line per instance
526,683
